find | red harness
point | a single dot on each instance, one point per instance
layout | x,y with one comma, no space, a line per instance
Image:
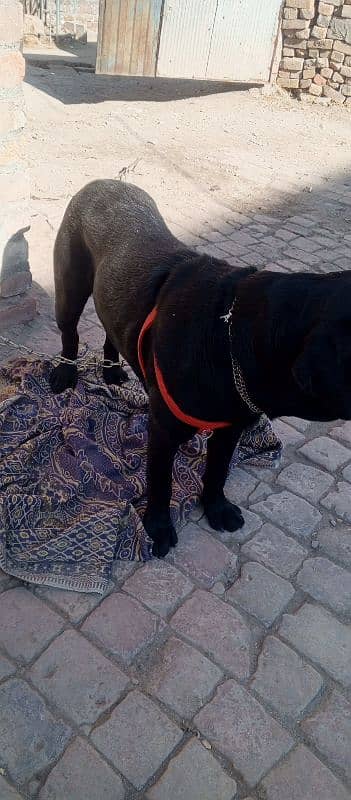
200,424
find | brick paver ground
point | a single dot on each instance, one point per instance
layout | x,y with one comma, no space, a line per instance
225,671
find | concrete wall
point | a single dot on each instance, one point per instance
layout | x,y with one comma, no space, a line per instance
316,56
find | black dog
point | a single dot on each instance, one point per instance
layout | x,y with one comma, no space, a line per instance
221,345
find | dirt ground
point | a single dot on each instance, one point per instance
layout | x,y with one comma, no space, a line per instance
203,150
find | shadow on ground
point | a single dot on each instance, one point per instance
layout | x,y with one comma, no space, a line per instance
91,88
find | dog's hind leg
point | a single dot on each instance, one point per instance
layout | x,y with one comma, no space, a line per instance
112,372
73,286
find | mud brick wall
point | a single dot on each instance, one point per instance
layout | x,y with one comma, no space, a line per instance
316,56
15,276
79,16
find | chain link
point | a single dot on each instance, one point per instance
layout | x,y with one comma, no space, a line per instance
87,359
239,380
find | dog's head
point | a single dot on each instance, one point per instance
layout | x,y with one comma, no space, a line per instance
323,367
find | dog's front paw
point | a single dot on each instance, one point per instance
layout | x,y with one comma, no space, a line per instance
162,533
114,375
223,515
64,376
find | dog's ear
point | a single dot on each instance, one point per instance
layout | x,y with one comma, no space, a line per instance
314,368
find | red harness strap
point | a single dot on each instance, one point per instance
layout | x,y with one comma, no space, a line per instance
200,424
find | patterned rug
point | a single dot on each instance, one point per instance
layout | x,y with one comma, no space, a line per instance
73,477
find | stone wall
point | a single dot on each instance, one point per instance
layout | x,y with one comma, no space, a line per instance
15,276
79,17
316,56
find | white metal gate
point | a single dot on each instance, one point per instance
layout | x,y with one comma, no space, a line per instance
218,39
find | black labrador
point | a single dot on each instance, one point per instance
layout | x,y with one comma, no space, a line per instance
214,345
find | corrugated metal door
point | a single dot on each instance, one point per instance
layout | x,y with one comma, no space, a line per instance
128,37
218,39
243,40
185,41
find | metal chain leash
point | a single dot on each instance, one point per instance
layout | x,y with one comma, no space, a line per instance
87,359
239,380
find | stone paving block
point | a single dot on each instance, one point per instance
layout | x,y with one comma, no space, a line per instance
310,629
287,434
347,474
330,731
326,452
342,432
239,485
122,570
261,592
4,580
6,668
75,676
137,738
81,774
194,774
297,422
159,586
292,512
219,629
27,624
339,500
327,583
275,550
309,482
284,680
123,626
252,523
240,728
7,792
336,543
203,557
75,604
303,777
262,491
30,739
182,678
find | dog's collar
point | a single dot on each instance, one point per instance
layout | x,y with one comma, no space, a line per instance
194,422
239,380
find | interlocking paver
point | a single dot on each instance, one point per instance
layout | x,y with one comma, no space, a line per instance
309,482
202,557
31,738
6,668
137,738
275,550
75,676
252,523
219,629
326,452
7,792
260,592
284,680
290,511
194,774
342,432
75,604
182,678
339,500
303,777
327,583
287,434
336,543
82,774
310,629
123,626
239,485
159,586
240,728
329,728
27,624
